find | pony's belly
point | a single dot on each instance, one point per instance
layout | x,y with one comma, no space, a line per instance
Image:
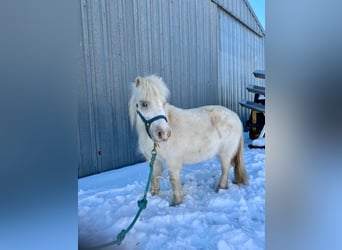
201,154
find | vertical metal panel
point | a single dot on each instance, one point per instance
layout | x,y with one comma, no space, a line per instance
87,138
242,11
240,53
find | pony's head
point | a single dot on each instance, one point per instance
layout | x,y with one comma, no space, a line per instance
149,97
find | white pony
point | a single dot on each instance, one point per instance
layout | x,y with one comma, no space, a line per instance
184,135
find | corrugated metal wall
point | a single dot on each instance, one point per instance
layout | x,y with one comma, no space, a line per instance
241,11
122,39
184,41
241,51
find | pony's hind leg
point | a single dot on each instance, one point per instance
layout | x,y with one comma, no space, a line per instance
157,172
225,159
239,166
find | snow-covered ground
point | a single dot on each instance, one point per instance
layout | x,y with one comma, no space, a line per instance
229,219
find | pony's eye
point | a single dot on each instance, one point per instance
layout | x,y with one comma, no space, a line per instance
144,104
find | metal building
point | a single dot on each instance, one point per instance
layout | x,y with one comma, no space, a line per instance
205,51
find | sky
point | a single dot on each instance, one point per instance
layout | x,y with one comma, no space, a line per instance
259,9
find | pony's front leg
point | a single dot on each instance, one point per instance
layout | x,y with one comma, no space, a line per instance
174,172
157,172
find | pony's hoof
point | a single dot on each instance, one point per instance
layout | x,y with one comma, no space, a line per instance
218,188
176,202
173,204
155,192
239,182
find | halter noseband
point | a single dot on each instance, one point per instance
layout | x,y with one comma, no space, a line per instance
149,122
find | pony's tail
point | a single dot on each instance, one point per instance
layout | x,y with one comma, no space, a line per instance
239,166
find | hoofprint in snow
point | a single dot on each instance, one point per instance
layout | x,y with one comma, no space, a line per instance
230,219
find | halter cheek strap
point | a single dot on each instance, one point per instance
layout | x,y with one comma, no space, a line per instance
149,122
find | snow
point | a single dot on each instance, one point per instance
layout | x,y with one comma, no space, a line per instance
259,142
230,219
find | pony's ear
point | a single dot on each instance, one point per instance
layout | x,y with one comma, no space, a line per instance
137,81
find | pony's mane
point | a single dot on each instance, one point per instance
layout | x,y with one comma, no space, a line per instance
152,87
147,88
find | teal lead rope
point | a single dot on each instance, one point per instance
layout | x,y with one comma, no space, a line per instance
142,204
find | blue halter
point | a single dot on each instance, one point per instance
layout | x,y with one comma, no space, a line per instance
149,122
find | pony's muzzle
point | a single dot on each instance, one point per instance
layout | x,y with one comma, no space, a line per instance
163,134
